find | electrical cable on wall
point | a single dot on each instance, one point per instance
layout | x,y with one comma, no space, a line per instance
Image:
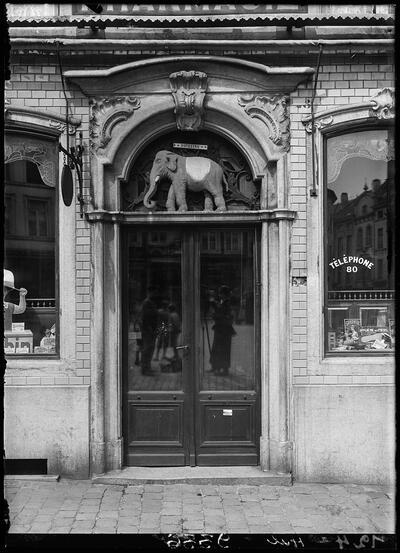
313,191
74,155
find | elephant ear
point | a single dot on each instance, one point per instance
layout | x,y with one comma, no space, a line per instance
172,161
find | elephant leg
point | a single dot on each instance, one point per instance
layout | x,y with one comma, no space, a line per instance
180,196
219,201
208,202
170,204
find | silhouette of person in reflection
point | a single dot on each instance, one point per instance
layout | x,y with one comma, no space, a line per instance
174,329
162,331
149,329
220,358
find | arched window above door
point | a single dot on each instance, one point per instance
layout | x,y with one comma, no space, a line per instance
241,192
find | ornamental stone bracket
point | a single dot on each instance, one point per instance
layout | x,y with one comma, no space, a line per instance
383,104
188,89
61,127
319,124
106,114
273,112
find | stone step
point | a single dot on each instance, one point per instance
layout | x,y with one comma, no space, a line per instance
33,477
194,475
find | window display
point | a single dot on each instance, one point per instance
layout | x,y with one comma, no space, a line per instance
359,204
29,256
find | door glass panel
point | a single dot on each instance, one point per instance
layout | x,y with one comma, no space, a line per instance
227,310
154,310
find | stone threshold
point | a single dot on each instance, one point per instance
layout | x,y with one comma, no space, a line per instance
33,477
194,475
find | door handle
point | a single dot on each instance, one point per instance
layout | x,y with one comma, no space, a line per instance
182,347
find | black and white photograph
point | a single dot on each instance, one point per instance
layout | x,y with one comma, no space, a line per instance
199,276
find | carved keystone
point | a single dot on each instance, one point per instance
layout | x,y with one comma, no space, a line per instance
188,89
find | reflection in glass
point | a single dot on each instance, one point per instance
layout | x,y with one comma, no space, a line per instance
227,310
154,310
360,200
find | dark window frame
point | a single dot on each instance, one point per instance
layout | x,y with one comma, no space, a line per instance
55,202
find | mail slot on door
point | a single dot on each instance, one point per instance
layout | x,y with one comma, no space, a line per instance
227,412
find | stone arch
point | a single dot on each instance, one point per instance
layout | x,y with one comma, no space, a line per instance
125,148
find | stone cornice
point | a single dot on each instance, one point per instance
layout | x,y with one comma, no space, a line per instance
152,76
381,106
30,118
265,69
190,217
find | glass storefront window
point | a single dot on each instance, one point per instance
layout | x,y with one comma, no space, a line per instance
29,282
359,222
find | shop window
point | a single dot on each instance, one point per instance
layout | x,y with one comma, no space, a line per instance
359,280
30,319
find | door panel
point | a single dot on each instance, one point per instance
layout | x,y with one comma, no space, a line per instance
154,387
227,397
190,357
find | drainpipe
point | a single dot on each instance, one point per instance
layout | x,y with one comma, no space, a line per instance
313,191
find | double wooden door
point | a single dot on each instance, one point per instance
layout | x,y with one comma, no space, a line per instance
191,346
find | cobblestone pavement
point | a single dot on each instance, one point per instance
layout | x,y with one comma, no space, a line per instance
71,506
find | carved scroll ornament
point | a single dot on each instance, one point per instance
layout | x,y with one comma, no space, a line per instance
106,114
273,112
318,124
383,104
43,154
188,89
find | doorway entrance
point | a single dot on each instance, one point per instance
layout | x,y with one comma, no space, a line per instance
191,346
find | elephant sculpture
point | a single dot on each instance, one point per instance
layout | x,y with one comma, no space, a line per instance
196,174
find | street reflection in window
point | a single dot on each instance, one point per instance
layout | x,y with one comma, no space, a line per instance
227,310
154,319
360,212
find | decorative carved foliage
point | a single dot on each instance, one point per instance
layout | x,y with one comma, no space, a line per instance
40,153
106,114
188,90
383,104
318,124
273,112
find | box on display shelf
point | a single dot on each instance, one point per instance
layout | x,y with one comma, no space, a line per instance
18,341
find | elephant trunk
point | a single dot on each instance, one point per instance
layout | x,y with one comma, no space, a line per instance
153,187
